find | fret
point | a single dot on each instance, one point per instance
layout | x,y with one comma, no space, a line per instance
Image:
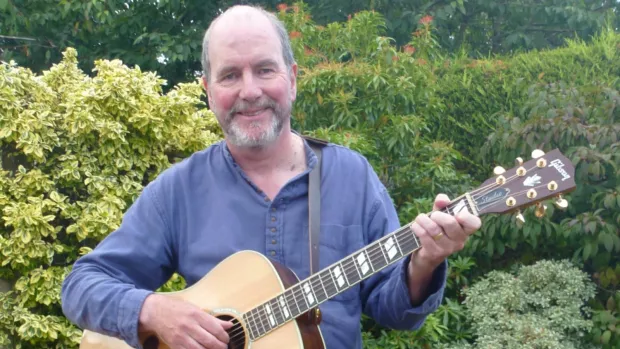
378,245
350,271
259,323
271,318
264,318
331,283
299,293
364,263
406,240
377,257
389,246
339,277
277,312
357,268
284,307
249,323
309,294
291,293
319,288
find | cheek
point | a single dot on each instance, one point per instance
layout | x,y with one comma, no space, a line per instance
222,99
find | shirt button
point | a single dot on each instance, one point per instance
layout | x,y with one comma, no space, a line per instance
273,230
273,219
273,253
273,242
273,209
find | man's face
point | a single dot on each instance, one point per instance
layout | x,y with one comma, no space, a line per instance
250,90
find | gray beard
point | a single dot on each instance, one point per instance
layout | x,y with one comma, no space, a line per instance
239,138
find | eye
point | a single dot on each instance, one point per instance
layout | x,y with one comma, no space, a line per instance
229,76
265,71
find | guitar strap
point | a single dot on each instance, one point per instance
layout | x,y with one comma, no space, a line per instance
314,213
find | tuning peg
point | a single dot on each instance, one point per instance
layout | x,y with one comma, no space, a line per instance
520,219
537,153
499,170
519,161
561,203
540,210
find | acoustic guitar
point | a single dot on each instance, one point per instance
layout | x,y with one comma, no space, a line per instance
271,308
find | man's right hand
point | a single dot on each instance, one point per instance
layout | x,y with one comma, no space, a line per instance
181,324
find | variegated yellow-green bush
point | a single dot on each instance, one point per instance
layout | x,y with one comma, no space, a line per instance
75,152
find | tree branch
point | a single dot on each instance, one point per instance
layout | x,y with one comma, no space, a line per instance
16,38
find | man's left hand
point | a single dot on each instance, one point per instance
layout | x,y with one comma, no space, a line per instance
441,234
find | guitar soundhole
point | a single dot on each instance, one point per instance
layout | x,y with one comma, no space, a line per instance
236,334
151,342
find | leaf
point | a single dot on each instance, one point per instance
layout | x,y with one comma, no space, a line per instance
587,249
607,241
590,227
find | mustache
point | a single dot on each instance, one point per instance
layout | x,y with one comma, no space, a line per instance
241,106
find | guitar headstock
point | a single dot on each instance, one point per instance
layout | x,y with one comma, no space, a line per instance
529,183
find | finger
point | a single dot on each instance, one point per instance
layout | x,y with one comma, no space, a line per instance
215,327
427,224
450,226
469,222
225,324
430,251
441,201
204,339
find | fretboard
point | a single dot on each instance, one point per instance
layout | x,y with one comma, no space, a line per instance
337,278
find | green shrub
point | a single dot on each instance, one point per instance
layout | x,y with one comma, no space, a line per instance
541,306
75,152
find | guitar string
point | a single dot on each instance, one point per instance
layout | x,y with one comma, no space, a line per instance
406,239
292,294
316,282
496,185
349,267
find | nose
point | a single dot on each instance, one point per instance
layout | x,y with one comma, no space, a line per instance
250,89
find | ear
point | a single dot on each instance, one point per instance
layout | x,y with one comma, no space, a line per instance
205,85
293,79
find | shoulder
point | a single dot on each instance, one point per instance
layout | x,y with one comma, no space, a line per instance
349,161
186,171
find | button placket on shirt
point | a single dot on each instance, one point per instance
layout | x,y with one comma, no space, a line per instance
273,244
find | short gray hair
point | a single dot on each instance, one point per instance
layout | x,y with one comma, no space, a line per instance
287,51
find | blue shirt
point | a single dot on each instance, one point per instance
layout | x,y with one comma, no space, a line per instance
205,208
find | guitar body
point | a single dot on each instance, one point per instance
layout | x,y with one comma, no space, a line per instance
235,286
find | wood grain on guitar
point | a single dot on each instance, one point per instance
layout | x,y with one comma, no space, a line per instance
270,306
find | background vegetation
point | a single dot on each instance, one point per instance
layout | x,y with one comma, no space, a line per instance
416,92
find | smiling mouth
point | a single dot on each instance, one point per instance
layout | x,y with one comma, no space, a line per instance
251,113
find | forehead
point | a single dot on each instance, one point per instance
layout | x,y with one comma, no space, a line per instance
243,37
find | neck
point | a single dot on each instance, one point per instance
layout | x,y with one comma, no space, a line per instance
286,151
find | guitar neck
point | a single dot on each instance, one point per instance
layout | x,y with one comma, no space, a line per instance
339,277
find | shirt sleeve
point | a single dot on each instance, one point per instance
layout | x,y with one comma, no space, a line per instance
385,296
106,288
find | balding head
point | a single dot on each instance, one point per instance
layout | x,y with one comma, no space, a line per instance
245,15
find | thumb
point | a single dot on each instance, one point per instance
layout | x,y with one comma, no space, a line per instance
441,201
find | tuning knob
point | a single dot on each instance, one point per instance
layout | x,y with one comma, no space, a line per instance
519,161
537,153
520,218
561,203
540,210
499,170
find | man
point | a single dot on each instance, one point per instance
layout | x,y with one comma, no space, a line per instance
250,192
